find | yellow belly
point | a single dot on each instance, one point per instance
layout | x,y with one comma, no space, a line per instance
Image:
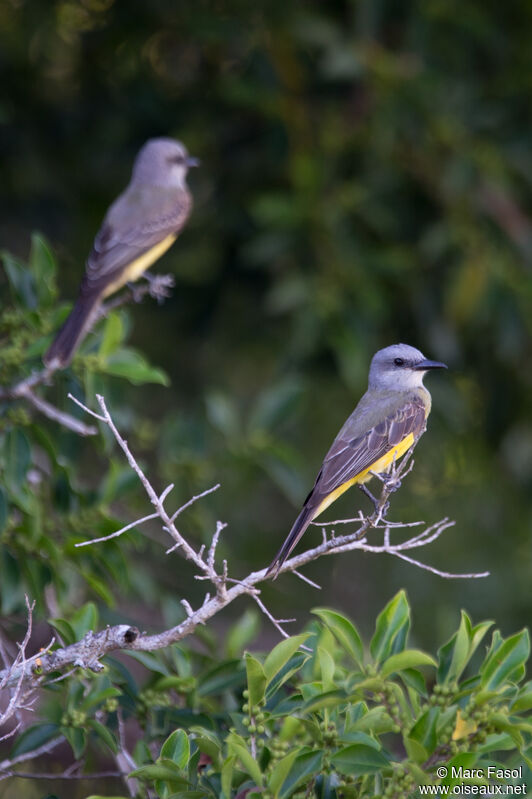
137,268
379,466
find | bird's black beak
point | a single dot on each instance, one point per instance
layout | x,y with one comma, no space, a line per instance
191,161
425,365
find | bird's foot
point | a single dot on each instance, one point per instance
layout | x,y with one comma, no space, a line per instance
160,286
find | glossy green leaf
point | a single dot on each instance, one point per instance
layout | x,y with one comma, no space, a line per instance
306,764
423,735
454,656
295,663
33,738
344,631
164,770
242,633
113,335
256,679
77,738
177,749
85,619
408,659
281,654
104,733
358,759
132,366
237,746
392,628
226,776
503,660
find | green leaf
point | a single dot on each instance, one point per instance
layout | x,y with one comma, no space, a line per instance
33,738
149,661
327,668
207,742
113,335
237,746
164,770
242,633
295,663
104,733
133,366
280,771
424,734
256,679
344,631
281,654
504,659
21,281
43,268
323,700
96,697
391,630
457,652
84,619
523,700
375,721
359,759
64,628
306,764
408,659
77,738
228,768
177,749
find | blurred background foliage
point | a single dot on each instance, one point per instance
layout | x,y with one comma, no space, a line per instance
366,179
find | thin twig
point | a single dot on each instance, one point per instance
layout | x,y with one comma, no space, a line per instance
118,532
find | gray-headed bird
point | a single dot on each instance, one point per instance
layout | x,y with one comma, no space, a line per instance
388,420
138,228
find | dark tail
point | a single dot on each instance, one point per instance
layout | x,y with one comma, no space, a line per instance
65,343
299,527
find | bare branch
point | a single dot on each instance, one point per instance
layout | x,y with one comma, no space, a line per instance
276,622
118,532
87,653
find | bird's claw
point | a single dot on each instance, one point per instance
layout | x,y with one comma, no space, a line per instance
160,286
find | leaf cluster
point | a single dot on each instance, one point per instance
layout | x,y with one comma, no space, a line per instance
319,715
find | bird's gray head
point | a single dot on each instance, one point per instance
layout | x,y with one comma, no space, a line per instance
400,367
163,162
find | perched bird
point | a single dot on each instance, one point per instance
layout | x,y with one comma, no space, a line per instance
387,421
138,228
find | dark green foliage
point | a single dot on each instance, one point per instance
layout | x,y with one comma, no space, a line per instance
310,718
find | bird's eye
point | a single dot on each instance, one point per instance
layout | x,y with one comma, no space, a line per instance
177,159
399,361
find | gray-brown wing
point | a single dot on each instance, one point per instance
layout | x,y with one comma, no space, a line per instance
349,457
122,239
